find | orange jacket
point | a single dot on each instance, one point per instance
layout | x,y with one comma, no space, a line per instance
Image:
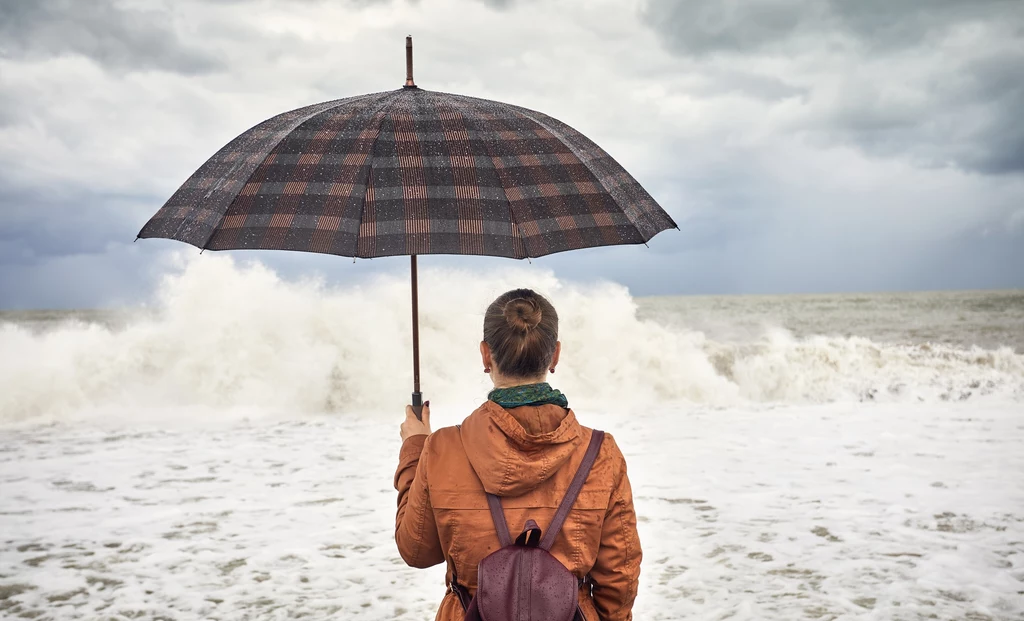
527,455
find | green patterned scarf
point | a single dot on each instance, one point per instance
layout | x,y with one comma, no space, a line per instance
529,394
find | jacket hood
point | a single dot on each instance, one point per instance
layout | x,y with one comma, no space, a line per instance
514,451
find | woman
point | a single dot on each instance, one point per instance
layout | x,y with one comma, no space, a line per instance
524,445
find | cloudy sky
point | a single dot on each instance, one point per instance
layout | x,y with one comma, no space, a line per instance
802,145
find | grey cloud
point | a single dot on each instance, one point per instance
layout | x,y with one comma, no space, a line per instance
1007,156
969,120
935,105
698,27
885,23
999,83
121,39
10,111
768,88
705,26
43,223
120,275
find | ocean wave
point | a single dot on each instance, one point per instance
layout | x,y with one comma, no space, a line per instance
221,335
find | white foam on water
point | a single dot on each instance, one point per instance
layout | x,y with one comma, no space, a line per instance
825,511
223,336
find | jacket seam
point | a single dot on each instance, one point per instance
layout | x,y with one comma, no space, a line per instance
421,516
627,544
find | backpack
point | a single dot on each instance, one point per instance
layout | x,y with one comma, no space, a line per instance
522,581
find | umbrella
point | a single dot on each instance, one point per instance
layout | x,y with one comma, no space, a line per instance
410,172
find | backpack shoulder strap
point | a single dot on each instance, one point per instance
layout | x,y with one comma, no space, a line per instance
498,516
596,438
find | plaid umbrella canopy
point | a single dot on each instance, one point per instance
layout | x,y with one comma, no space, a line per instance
410,172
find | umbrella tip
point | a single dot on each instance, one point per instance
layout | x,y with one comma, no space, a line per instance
408,63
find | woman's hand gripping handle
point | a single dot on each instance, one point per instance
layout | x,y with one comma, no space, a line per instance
416,426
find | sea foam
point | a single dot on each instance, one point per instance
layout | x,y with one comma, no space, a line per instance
221,334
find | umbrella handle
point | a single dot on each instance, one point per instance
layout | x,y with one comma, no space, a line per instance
417,404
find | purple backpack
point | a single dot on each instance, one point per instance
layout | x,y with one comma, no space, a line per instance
522,581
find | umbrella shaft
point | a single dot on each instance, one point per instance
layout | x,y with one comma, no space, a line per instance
415,328
417,396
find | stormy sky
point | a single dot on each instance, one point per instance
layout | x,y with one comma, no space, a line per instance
801,145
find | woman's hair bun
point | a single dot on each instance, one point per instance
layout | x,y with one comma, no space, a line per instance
521,328
522,314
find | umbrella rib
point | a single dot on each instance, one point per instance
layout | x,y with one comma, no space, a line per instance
501,183
284,135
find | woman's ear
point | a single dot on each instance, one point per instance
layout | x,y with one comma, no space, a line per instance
485,355
554,359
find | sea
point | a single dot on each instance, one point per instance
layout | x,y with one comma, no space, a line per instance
226,450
